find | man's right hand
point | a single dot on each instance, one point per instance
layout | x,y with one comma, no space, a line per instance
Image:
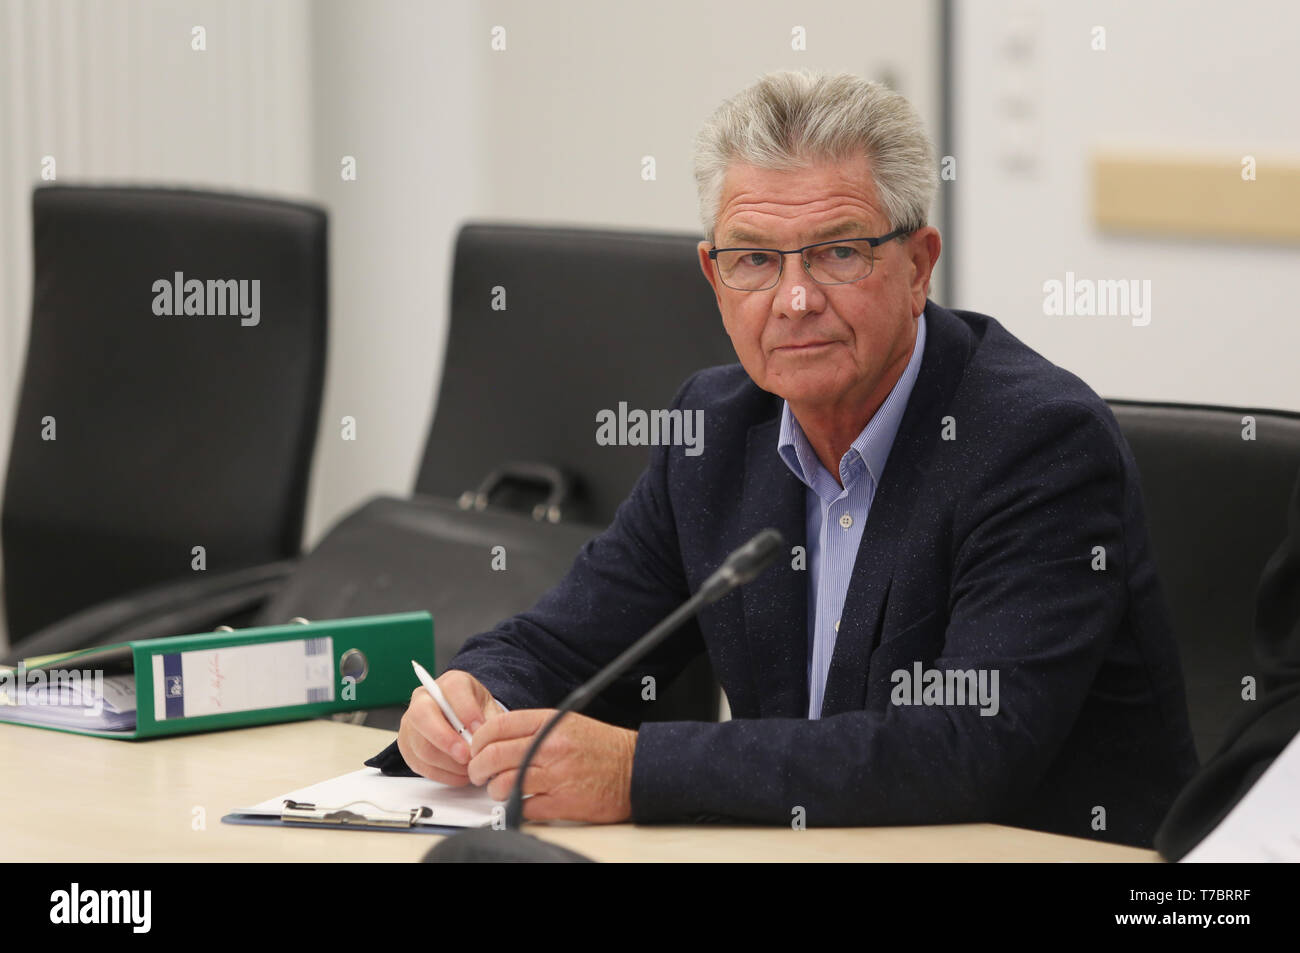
426,739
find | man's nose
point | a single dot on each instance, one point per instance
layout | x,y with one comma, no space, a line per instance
796,292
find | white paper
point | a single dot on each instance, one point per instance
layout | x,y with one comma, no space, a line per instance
1265,824
119,693
103,704
466,806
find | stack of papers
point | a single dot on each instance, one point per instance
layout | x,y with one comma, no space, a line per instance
102,703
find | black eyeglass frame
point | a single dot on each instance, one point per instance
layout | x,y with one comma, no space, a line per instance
873,242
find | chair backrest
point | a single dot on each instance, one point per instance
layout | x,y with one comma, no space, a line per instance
1216,507
140,435
550,326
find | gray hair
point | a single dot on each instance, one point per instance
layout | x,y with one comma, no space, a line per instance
788,119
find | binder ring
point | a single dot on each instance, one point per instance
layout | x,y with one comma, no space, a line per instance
354,665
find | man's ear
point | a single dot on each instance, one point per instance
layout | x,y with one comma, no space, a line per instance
924,246
706,266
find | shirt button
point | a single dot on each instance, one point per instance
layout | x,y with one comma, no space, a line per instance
837,625
846,520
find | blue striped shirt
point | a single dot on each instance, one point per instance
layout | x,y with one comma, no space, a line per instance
835,516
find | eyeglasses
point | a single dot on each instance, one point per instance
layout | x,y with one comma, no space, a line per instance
840,261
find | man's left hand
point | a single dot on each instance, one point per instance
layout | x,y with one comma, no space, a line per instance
582,771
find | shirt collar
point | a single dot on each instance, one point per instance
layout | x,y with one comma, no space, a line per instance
873,444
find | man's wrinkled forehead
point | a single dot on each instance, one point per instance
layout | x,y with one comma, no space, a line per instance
846,187
739,234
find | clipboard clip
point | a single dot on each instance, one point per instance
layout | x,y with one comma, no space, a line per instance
303,813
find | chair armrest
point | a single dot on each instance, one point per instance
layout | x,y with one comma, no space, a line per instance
172,608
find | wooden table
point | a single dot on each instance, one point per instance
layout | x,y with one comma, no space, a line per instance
76,798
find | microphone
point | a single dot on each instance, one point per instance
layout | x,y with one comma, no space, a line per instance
742,566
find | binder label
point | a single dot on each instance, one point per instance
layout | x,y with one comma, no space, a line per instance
243,678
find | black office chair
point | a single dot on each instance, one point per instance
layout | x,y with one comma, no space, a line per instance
140,435
1216,508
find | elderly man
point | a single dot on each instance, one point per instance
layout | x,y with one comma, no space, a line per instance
968,626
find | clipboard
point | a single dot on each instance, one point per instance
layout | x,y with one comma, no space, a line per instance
357,816
370,800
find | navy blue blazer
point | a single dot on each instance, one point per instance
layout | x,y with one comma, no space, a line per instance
1007,534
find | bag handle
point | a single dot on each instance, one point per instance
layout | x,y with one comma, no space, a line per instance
558,483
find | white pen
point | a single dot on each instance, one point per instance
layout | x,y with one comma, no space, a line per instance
427,681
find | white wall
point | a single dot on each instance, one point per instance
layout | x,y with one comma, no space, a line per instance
398,87
577,100
1193,77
